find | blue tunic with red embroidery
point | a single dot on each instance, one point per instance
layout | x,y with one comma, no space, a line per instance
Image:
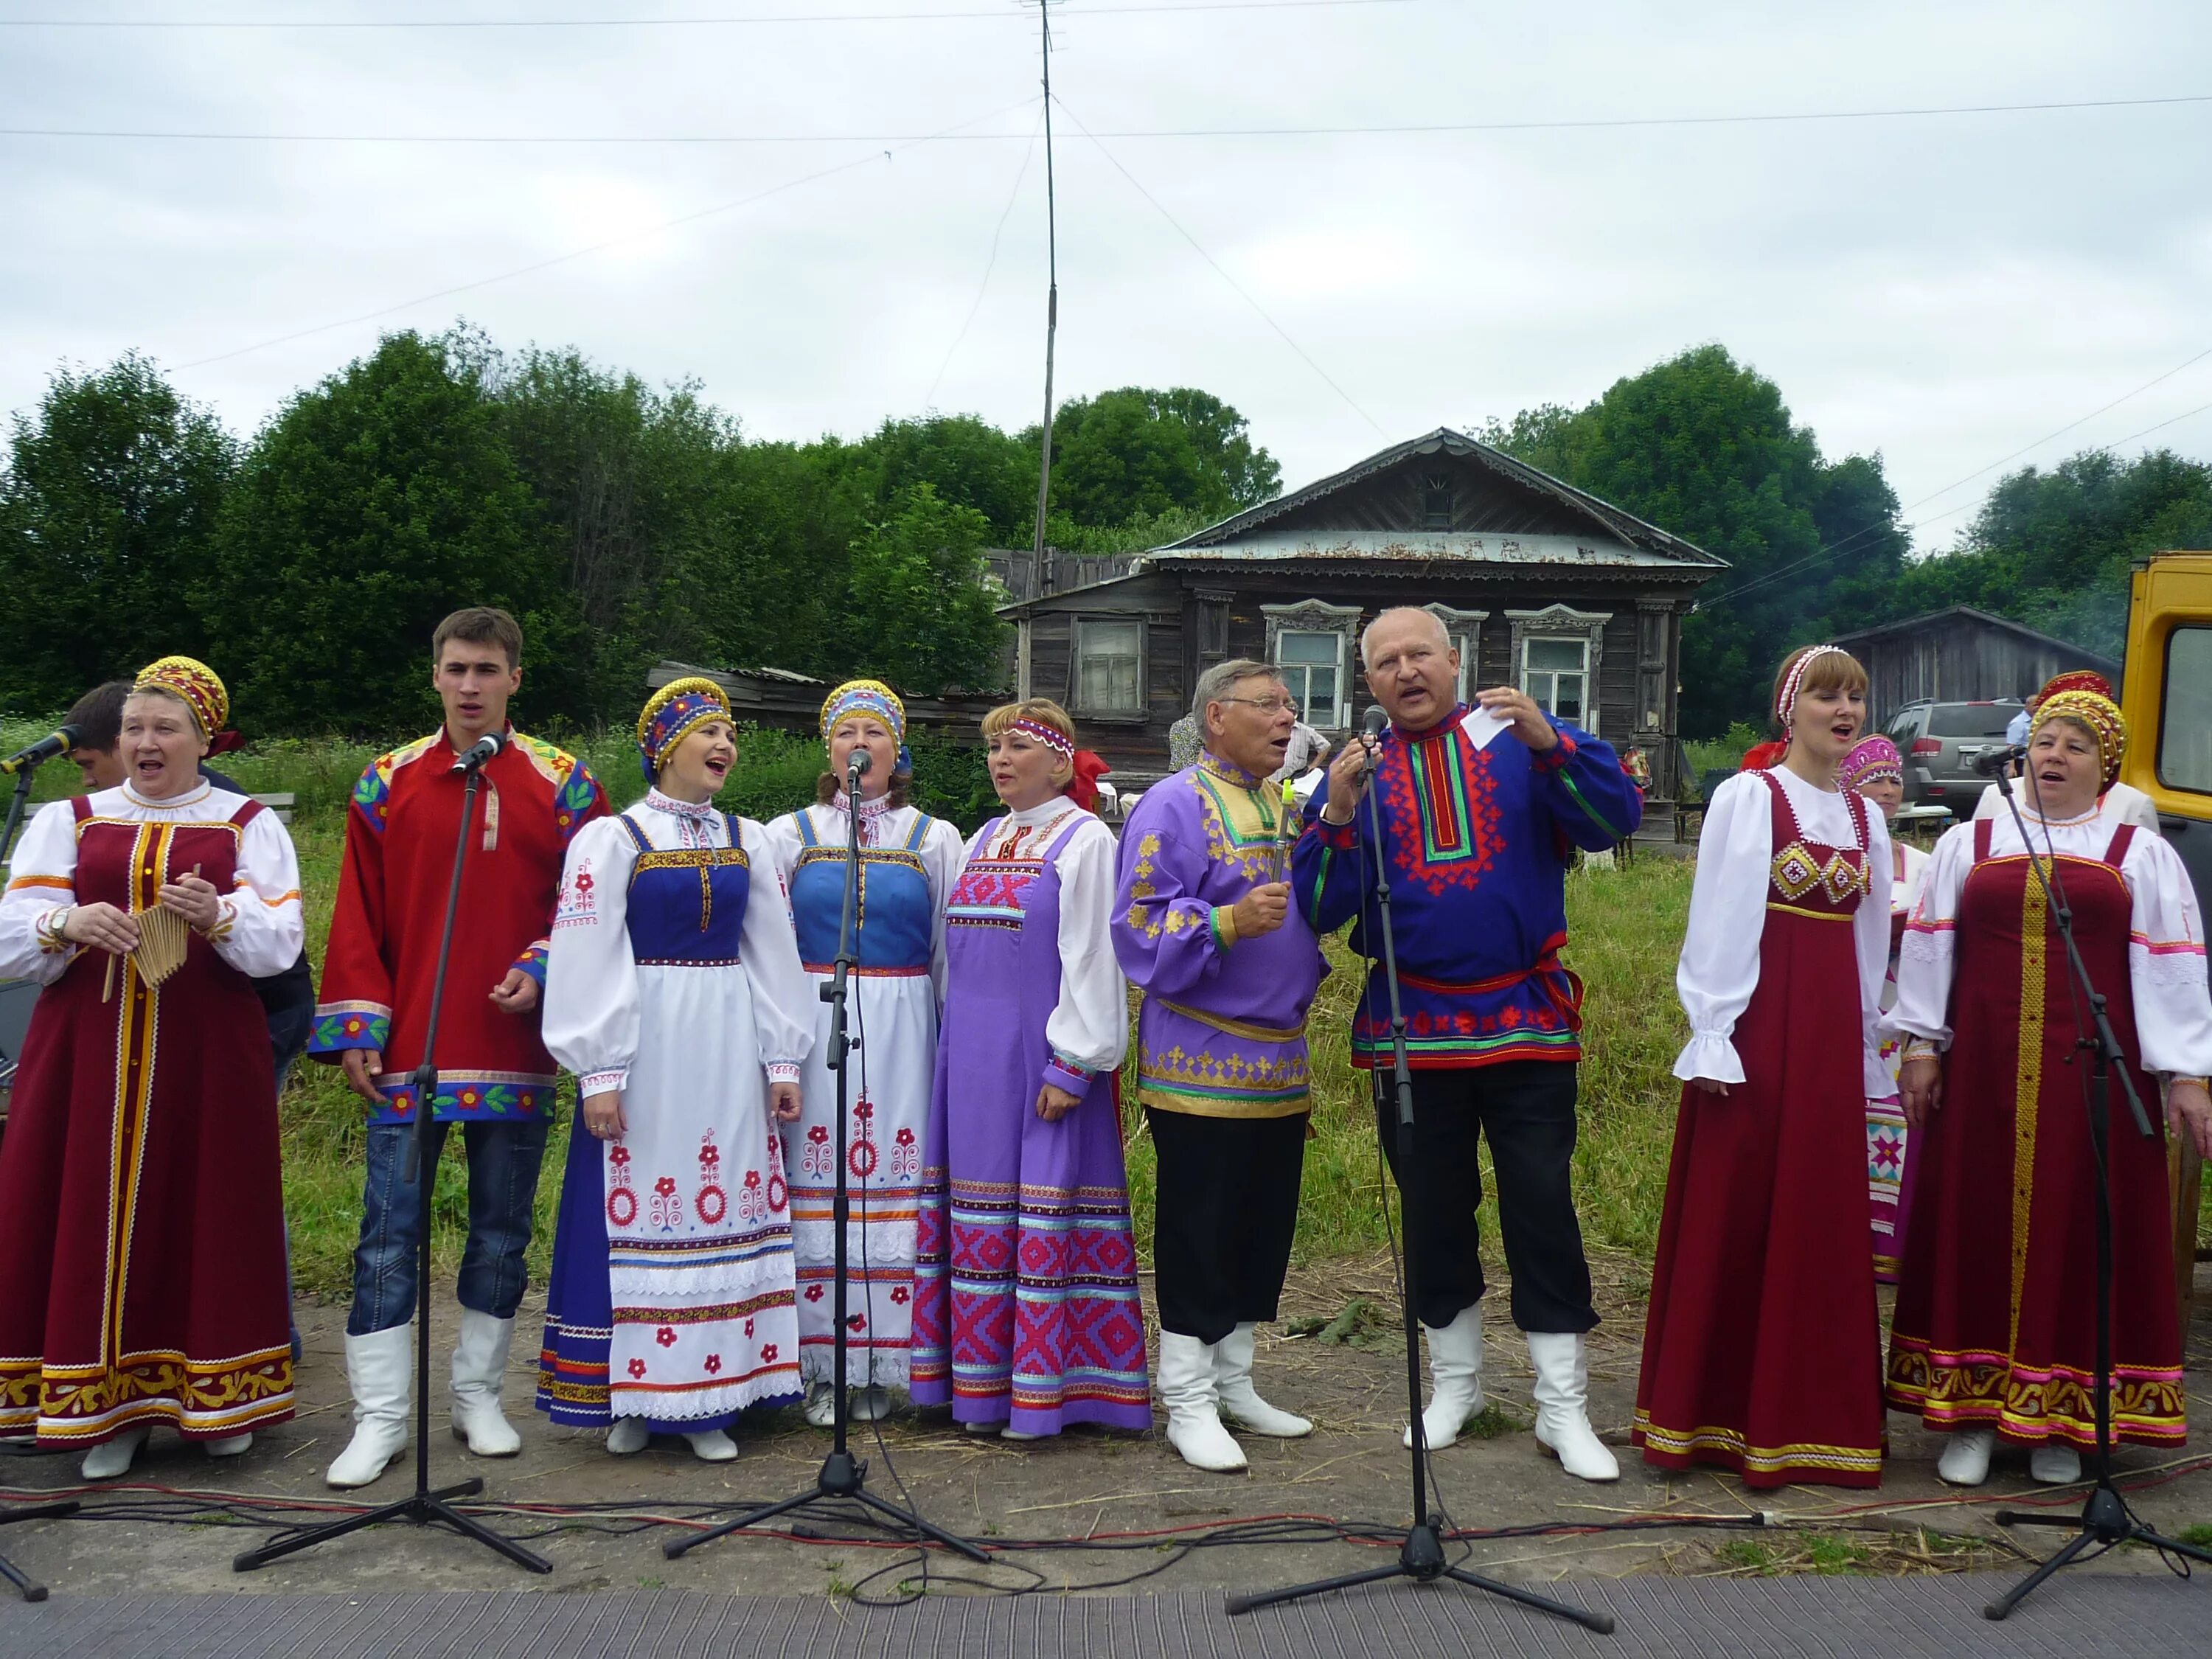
1478,840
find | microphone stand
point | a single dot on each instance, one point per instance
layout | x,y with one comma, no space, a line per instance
841,1474
422,1505
2106,1519
1421,1556
27,1587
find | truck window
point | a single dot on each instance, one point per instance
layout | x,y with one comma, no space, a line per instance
2184,738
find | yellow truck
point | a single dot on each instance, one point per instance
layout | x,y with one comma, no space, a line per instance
2166,694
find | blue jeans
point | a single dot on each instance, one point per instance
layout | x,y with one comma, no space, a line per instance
503,1163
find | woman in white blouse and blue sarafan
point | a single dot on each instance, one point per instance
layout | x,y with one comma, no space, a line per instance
673,992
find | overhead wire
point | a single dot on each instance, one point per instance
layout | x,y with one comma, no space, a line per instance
573,254
731,19
1242,292
990,264
1340,130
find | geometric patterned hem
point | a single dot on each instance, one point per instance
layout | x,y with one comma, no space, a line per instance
2032,1405
1758,1465
85,1404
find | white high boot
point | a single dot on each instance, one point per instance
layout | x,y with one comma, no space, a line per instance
479,1367
1238,1401
1455,1378
2054,1464
380,1372
1562,1392
1966,1459
112,1458
1187,1388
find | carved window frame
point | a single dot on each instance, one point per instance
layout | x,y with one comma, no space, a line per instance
1319,616
1563,621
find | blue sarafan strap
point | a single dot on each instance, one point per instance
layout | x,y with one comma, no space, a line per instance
921,823
636,834
730,821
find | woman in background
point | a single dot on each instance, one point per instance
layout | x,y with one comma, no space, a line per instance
1027,1317
672,991
909,862
1762,1351
1876,770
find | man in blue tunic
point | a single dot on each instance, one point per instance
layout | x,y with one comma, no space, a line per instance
1480,806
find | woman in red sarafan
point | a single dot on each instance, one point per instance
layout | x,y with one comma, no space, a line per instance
1762,1350
141,1243
1995,1333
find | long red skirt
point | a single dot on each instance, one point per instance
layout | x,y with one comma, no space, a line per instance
141,1243
1996,1322
1762,1349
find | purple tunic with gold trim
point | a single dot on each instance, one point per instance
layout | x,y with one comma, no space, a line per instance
1213,1041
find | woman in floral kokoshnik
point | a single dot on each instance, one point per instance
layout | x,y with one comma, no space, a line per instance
1876,770
1995,1333
1026,1315
673,992
142,1208
1762,1351
909,862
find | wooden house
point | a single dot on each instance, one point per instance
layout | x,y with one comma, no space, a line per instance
1540,584
1960,656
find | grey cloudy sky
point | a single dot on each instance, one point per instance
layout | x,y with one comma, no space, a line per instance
1943,288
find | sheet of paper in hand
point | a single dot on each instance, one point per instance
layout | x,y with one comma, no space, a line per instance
1481,725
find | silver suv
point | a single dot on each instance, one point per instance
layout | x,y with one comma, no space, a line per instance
1939,742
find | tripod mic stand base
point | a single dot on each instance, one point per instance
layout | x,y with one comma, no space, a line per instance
2106,1520
421,1508
841,1476
29,1587
1421,1558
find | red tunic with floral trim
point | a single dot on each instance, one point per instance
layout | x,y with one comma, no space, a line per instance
379,970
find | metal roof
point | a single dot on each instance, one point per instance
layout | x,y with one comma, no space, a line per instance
1883,630
1623,527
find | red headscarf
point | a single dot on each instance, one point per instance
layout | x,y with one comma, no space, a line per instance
1083,789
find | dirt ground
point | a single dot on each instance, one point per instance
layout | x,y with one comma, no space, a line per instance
1084,1485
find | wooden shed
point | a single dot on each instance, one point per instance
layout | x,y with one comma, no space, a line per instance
1540,584
1960,656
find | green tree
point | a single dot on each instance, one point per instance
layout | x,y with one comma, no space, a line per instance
108,508
922,612
967,460
368,508
1703,447
1136,453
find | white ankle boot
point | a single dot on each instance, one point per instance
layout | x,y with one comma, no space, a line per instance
380,1372
1187,1388
1966,1459
1563,1427
231,1445
1239,1401
2054,1464
479,1369
1455,1378
627,1437
112,1459
712,1446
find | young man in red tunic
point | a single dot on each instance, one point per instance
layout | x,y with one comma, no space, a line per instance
495,1076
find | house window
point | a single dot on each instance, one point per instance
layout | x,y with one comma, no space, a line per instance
1313,669
1436,500
1555,672
1110,666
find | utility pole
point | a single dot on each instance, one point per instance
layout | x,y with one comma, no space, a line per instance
1052,298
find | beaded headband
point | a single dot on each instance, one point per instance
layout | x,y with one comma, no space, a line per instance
1058,742
195,683
1872,762
1785,701
672,714
864,697
2100,714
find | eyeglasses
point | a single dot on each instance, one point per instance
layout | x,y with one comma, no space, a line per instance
1266,705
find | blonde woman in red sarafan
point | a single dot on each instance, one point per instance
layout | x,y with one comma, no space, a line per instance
1762,1350
141,1211
1995,1332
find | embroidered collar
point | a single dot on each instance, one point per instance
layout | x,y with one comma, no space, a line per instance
1227,771
1449,723
700,812
841,803
2079,818
194,796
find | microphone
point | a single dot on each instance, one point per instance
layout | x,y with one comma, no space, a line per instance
63,740
480,752
1991,761
858,764
1373,721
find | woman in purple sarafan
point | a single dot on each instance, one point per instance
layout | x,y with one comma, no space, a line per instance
1026,1315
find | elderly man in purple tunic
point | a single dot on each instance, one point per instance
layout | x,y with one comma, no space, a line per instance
1203,924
